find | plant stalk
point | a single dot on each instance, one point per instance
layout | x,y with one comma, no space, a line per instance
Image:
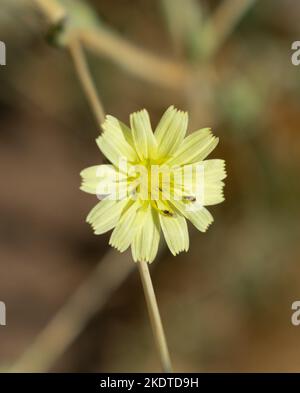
155,319
84,76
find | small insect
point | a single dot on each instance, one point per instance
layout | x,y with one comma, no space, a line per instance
168,213
189,198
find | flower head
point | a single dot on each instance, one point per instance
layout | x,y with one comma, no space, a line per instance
155,182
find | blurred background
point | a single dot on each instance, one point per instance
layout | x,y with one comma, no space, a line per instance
226,304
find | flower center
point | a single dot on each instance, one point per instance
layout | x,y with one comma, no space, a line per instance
154,183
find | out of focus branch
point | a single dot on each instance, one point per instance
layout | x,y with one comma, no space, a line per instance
80,20
84,76
221,24
203,82
136,61
52,9
75,314
203,37
184,20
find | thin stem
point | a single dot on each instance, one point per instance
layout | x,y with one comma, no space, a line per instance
155,318
84,76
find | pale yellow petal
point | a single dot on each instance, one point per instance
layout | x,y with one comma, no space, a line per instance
115,190
143,136
114,125
101,171
105,215
146,240
194,148
197,214
101,179
214,195
90,187
201,218
115,142
204,178
214,173
214,170
124,232
170,131
175,232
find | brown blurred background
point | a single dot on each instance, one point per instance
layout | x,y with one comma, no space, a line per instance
226,304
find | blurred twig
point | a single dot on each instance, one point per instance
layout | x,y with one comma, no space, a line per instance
85,78
184,21
52,9
203,83
105,42
74,315
221,24
203,37
137,61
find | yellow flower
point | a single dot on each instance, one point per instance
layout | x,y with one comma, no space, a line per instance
155,182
